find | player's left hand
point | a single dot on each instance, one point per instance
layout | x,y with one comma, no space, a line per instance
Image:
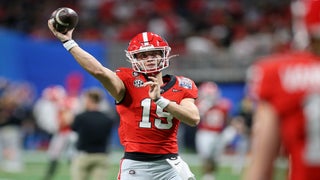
154,90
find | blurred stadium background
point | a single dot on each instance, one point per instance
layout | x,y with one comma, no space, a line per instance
216,41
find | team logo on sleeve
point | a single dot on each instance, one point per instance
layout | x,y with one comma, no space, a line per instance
185,83
138,83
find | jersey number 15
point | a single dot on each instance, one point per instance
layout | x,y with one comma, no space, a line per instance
146,112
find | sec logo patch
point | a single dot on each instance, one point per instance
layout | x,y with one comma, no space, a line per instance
138,83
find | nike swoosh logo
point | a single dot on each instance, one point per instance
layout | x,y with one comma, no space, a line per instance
175,90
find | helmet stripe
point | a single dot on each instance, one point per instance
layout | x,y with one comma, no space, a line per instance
145,38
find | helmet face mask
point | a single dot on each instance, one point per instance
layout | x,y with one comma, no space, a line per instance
151,63
148,53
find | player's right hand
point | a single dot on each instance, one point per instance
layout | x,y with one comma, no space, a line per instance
60,36
154,88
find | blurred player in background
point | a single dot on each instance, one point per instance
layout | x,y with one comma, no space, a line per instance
93,128
234,140
54,112
214,113
150,105
287,90
16,101
45,108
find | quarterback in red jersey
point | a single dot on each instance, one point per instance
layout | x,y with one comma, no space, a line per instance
150,106
148,128
287,90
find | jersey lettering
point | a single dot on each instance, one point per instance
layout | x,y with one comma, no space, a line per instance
215,118
146,111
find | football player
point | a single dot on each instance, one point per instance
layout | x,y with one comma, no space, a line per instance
54,111
287,90
214,113
150,105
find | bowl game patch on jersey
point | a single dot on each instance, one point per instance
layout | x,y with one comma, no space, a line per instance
185,82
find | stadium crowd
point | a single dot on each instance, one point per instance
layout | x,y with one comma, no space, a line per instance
243,28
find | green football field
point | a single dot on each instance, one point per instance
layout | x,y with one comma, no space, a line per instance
35,165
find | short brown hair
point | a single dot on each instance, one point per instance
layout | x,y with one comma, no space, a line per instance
94,94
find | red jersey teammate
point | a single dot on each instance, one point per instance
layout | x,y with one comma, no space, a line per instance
214,112
150,106
287,88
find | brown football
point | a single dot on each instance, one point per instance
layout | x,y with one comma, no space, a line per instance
65,19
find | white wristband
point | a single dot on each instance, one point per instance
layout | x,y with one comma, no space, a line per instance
69,44
162,102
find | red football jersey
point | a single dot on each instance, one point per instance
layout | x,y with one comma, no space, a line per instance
216,117
291,83
144,126
66,108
